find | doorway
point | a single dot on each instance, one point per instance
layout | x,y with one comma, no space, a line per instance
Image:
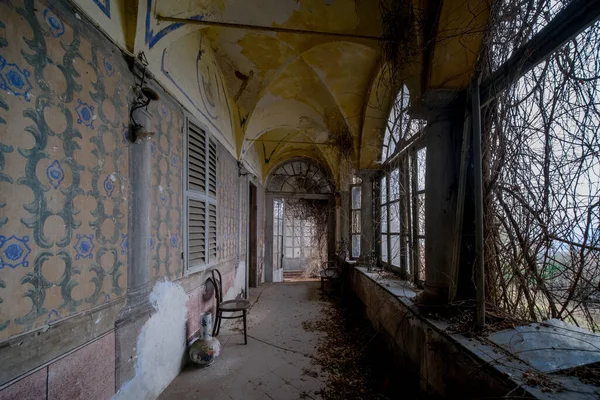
252,238
305,233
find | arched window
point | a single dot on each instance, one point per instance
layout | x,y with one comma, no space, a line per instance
400,126
402,191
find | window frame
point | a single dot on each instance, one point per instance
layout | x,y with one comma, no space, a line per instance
409,138
356,183
197,195
408,235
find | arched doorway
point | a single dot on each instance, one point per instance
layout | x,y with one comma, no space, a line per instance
300,218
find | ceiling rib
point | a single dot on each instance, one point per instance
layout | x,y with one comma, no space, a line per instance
262,28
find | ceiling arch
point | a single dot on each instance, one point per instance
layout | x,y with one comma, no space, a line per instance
300,175
309,86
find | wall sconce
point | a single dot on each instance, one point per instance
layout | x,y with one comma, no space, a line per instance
140,116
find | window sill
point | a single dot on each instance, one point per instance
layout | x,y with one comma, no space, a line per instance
471,363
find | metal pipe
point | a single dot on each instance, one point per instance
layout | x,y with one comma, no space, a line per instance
478,187
290,141
263,28
569,22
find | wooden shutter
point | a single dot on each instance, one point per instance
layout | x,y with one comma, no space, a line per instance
196,159
196,232
212,168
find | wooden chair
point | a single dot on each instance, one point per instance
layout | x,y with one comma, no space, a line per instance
332,270
230,306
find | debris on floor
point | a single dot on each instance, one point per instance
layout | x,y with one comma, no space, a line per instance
353,356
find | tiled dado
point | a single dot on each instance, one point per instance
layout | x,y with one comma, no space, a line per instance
87,373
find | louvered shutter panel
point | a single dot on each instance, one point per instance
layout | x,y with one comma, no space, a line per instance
212,168
196,159
196,232
212,232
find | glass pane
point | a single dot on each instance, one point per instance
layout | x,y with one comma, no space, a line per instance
288,242
355,222
395,249
384,189
289,252
421,214
421,258
384,248
395,217
395,185
384,224
355,246
355,197
307,231
297,253
386,139
421,168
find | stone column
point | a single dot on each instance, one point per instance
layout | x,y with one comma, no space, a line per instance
137,308
368,237
441,186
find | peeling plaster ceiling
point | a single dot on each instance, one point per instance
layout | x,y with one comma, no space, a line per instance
291,92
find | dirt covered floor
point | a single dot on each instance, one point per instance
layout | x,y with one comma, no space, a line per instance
301,345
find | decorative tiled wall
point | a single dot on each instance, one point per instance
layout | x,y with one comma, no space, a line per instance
63,168
227,198
166,212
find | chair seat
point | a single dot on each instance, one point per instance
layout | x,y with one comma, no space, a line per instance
330,273
234,305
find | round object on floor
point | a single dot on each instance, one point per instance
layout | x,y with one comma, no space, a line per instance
206,349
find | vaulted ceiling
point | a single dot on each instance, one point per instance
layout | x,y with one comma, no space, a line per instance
290,94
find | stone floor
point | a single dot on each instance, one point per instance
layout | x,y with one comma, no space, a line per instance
276,363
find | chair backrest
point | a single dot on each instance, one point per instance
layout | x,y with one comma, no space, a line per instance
341,258
218,282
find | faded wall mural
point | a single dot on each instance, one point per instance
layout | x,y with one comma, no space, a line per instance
200,81
63,162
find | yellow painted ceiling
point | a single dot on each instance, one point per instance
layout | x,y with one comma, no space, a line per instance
294,92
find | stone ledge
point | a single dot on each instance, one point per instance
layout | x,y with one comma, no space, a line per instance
447,364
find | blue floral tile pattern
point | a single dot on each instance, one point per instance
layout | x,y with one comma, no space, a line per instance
14,79
110,68
14,251
124,243
57,27
85,113
84,246
109,186
174,240
52,316
55,174
124,134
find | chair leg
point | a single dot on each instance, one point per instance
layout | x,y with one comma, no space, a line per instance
245,329
322,283
217,326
